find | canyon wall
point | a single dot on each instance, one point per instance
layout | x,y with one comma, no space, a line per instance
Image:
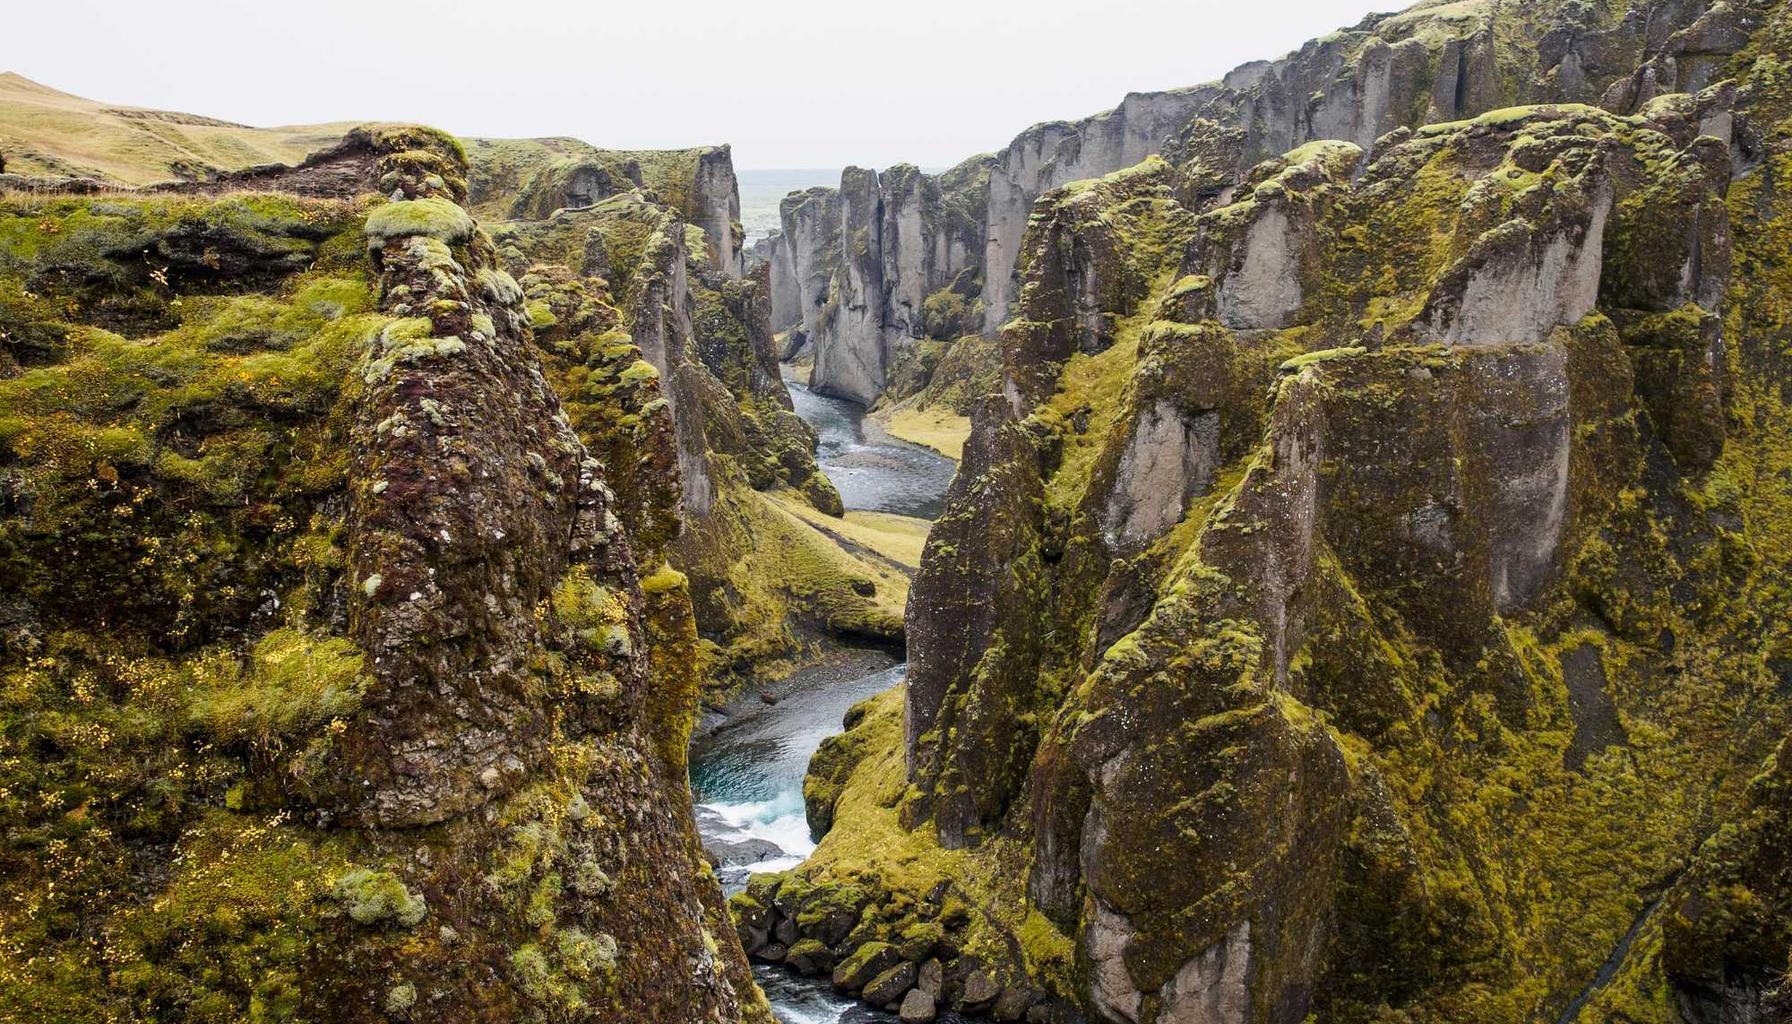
345,679
765,581
1435,62
853,270
1361,596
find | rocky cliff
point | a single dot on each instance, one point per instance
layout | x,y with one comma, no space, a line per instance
1362,596
1432,63
768,583
343,680
863,273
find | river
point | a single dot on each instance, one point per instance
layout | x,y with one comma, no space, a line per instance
747,774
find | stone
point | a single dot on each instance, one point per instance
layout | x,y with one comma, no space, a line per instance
890,986
864,964
979,991
1011,1005
809,957
930,978
917,1008
1170,457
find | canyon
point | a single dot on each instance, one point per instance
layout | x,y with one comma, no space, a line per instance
1310,546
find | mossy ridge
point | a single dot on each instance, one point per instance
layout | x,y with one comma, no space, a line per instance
516,178
770,577
126,262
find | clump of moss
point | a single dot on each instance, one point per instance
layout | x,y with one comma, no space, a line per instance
400,998
295,681
433,217
566,970
374,897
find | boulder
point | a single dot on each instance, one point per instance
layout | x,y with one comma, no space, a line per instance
865,963
891,985
979,991
809,957
917,1008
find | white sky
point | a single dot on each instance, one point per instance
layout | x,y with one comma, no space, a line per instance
791,83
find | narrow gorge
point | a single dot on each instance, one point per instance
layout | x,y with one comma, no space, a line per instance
1306,548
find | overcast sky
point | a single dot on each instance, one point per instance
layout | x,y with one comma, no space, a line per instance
791,83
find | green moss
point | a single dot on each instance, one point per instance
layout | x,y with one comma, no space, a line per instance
373,897
1306,359
567,971
663,580
638,371
294,682
434,217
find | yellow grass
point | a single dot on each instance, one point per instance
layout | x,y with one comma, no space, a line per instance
936,427
896,538
43,131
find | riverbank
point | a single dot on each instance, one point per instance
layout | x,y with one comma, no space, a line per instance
749,757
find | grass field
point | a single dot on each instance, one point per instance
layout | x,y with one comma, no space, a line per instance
43,131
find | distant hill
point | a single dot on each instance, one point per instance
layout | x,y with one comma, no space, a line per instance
45,131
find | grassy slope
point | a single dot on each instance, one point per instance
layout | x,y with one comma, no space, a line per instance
895,538
934,427
43,131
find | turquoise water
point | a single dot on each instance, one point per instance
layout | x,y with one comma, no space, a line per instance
747,777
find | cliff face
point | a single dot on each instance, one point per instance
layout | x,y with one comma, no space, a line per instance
1362,597
1433,63
765,581
859,265
334,685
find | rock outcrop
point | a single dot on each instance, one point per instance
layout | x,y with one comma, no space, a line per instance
343,682
1361,598
864,272
765,582
518,179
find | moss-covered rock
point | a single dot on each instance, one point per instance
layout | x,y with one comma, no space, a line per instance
1381,653
257,523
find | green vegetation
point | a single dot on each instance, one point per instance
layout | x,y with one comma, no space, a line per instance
433,217
376,897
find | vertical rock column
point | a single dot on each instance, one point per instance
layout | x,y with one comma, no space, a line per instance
467,484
